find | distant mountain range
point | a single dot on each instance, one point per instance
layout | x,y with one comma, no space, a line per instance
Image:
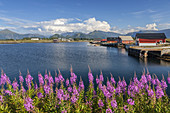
7,34
166,31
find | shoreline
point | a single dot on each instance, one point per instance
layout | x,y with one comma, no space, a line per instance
34,41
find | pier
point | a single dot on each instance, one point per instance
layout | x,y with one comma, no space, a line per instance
144,52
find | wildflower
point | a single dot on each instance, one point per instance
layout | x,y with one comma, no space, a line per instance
23,89
159,92
46,76
101,77
64,111
109,110
8,92
153,81
21,79
47,89
163,83
60,94
1,98
40,95
28,80
100,103
75,92
97,80
112,79
118,90
69,89
15,85
149,77
143,79
40,78
81,85
130,101
150,93
56,80
36,86
50,79
60,77
90,76
3,79
114,103
73,99
126,108
28,104
67,82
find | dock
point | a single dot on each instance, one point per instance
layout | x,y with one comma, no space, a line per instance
144,52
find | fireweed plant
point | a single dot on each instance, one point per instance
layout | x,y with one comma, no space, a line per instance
59,95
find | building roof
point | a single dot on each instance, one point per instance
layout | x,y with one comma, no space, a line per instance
126,38
151,35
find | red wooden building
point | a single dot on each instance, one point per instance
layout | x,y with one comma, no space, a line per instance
125,39
150,39
112,39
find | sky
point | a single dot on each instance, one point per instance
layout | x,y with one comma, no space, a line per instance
48,17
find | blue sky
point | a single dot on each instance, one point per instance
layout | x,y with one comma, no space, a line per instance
57,16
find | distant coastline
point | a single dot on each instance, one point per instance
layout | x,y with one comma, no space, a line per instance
33,41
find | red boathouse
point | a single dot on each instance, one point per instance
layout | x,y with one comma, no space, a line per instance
150,39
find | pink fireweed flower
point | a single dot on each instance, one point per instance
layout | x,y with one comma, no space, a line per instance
69,89
47,89
100,103
64,111
75,92
114,103
56,80
15,85
35,86
101,77
149,78
46,76
130,101
109,110
50,79
159,92
81,85
153,81
21,79
3,79
90,76
28,104
97,79
74,99
40,95
40,78
143,79
67,82
126,108
60,77
28,80
112,79
1,98
23,89
60,94
8,92
150,93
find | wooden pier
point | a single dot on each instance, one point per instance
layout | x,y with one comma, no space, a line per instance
144,52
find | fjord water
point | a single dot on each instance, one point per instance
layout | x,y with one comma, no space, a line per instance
37,57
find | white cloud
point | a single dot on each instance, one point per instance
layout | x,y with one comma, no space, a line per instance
135,29
68,25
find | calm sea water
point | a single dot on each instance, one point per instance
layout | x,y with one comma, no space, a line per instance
37,57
